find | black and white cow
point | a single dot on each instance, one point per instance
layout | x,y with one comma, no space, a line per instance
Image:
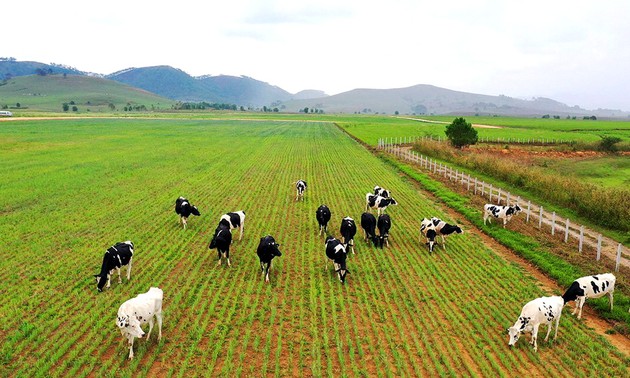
368,224
116,256
137,311
436,227
348,229
336,252
384,224
300,187
323,217
234,220
267,250
543,310
377,202
184,209
221,241
501,212
590,287
378,191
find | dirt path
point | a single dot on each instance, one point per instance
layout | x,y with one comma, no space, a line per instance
444,122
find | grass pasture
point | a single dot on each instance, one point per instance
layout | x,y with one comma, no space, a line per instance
71,188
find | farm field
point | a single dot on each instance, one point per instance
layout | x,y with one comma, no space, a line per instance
370,129
71,188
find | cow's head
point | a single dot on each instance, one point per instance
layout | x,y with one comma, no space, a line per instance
195,211
100,282
340,267
517,209
392,201
130,325
381,240
514,333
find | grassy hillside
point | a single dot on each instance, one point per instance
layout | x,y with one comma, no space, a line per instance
90,94
71,188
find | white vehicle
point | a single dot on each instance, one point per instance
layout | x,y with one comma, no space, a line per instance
5,113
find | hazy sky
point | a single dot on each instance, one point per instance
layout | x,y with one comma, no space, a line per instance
576,52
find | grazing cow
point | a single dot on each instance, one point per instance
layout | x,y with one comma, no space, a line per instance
543,310
368,224
590,287
300,186
348,229
323,216
267,250
336,252
116,256
502,212
221,241
377,202
183,208
234,220
438,227
378,191
137,311
384,223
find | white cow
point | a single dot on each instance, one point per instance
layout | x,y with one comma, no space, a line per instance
590,287
543,310
502,212
137,311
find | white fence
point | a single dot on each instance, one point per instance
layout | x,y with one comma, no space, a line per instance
530,141
495,194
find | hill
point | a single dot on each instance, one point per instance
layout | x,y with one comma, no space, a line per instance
428,99
12,68
50,92
177,85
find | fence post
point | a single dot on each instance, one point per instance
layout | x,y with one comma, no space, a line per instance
581,239
553,223
499,197
490,193
507,199
475,190
566,231
618,258
599,246
468,189
483,188
540,218
529,203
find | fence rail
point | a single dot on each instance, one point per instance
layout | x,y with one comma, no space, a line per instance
546,220
496,140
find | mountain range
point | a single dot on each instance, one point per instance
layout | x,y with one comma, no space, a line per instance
175,84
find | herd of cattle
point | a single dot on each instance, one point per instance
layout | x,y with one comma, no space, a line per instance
147,306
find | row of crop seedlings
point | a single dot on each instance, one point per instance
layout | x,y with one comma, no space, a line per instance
483,189
383,142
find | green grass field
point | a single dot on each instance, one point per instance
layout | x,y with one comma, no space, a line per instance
71,188
37,94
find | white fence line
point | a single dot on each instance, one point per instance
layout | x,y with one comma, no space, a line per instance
564,227
496,140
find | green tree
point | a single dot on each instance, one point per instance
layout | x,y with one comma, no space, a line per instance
306,110
74,108
65,106
609,143
461,133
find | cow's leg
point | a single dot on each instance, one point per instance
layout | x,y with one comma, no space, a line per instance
158,316
262,267
219,253
184,222
557,323
267,272
577,304
535,337
227,257
129,269
387,241
109,275
130,342
610,295
150,328
242,226
549,326
582,301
